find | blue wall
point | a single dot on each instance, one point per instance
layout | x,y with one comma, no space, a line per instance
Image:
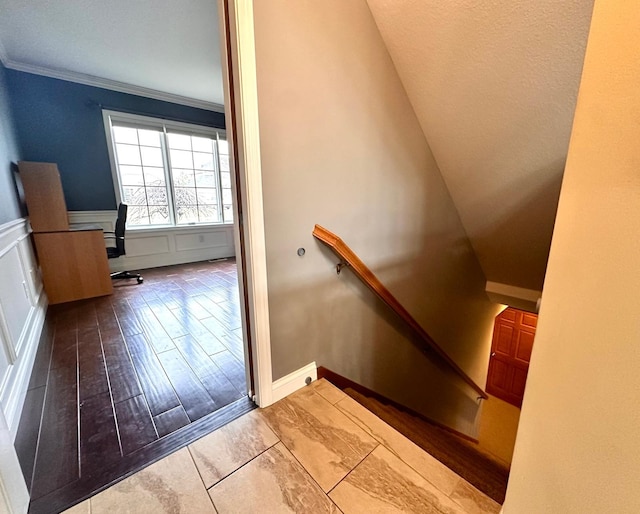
10,205
59,121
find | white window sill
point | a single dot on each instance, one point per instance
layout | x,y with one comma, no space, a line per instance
172,228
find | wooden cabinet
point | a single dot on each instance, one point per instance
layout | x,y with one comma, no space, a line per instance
73,262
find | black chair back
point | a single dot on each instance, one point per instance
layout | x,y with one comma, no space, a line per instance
120,227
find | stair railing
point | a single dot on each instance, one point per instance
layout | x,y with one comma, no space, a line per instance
350,260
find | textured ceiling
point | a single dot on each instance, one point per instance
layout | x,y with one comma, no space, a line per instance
170,47
494,86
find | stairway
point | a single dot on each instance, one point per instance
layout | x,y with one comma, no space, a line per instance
460,455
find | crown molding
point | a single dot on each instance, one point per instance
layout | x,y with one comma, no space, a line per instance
112,85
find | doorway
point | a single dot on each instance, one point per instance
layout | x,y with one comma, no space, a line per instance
513,335
253,306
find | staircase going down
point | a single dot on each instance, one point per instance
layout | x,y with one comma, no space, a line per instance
462,456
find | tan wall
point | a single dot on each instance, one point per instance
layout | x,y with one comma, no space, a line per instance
578,448
341,147
494,86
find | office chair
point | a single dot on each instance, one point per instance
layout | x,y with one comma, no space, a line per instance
113,252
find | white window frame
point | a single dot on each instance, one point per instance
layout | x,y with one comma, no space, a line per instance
164,126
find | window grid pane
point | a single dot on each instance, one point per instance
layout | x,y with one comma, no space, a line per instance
143,188
198,166
138,216
194,173
125,135
208,213
154,176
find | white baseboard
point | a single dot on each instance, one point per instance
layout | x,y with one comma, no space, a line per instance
13,398
293,381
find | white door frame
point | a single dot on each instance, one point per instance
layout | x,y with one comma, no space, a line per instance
243,129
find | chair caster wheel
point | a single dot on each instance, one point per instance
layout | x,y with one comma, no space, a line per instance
140,280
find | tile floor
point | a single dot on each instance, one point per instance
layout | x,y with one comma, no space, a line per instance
315,451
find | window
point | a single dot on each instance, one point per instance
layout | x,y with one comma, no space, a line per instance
169,174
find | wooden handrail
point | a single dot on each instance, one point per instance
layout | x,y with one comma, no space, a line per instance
372,282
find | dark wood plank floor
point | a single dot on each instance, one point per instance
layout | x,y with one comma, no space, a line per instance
117,374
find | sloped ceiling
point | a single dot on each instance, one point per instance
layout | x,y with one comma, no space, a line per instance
494,85
168,47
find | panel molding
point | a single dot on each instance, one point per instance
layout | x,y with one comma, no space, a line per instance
14,390
11,232
30,268
14,379
11,343
7,347
21,350
143,246
206,240
293,381
143,250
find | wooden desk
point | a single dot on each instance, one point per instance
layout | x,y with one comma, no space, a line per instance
73,259
74,264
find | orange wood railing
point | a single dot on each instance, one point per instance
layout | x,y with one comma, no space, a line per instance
371,281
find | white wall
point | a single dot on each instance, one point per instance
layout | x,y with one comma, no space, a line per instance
578,448
494,85
342,147
151,248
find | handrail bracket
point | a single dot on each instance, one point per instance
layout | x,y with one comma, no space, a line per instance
341,265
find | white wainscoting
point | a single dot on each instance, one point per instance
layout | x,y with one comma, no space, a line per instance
151,248
23,305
